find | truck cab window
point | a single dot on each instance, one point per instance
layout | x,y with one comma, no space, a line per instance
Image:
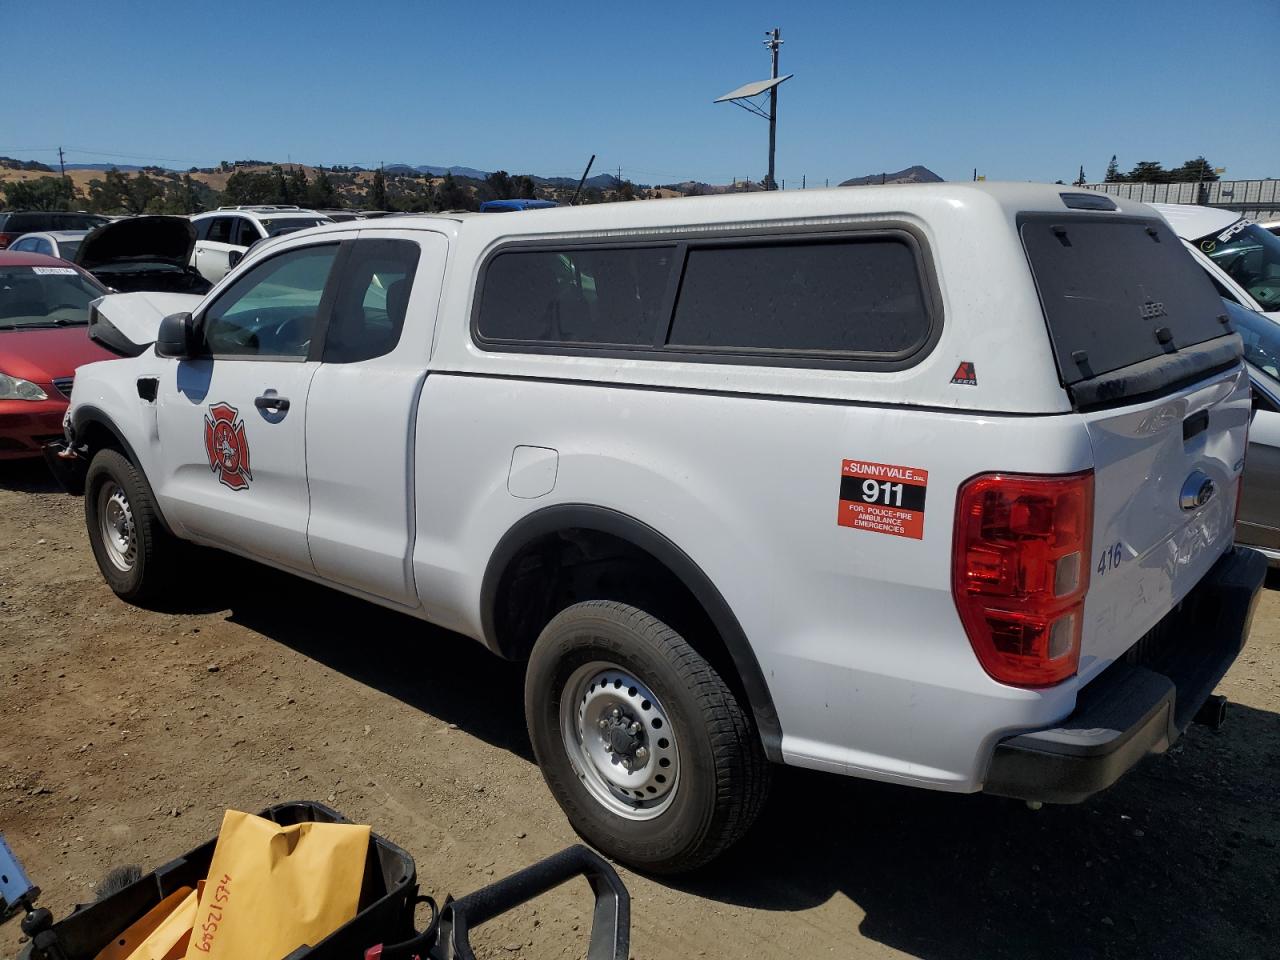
271,311
370,308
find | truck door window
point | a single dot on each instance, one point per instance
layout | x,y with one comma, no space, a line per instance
271,311
368,313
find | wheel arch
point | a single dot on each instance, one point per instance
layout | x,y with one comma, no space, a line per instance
94,429
553,520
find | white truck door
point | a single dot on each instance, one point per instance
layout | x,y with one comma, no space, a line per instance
362,410
231,422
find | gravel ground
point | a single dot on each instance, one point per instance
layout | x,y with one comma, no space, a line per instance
127,732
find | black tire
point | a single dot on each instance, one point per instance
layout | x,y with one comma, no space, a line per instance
156,552
723,773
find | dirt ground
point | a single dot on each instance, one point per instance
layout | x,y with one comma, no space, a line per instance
125,733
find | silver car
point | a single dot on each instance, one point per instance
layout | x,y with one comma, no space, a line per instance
55,243
1258,525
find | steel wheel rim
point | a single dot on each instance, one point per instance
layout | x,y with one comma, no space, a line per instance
620,741
115,524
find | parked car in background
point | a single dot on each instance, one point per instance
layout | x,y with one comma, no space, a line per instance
62,244
143,253
1241,258
223,235
14,225
44,309
1258,522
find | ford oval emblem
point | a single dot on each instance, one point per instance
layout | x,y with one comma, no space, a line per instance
1197,490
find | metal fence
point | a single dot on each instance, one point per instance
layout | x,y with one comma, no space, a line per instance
1256,199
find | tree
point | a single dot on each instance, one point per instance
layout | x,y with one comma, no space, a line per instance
108,195
523,186
626,190
1113,171
143,194
1148,171
378,192
296,186
321,193
500,183
451,195
247,188
43,193
1198,170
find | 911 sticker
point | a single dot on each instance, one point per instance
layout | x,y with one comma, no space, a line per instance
883,498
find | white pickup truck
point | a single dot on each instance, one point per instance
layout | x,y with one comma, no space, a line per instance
930,484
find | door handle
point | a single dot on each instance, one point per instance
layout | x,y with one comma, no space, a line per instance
271,403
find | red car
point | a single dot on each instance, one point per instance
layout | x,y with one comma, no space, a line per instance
44,312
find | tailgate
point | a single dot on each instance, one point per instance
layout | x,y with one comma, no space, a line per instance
1165,487
1152,365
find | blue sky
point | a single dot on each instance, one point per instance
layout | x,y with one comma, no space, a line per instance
1022,91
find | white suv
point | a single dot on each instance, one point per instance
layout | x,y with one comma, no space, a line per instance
931,484
223,235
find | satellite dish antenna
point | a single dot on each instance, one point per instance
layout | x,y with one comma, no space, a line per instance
745,97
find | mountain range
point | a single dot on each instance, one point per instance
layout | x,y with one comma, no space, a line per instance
915,174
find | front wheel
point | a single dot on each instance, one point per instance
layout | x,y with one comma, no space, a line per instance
643,744
134,552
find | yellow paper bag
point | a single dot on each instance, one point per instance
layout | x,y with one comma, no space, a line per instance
271,889
169,940
128,945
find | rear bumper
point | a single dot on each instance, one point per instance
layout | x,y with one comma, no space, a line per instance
1141,704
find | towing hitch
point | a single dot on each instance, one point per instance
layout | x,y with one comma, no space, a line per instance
1213,713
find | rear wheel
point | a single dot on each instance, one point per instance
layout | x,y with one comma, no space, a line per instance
645,747
134,552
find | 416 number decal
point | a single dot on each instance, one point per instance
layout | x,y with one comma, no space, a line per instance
1111,558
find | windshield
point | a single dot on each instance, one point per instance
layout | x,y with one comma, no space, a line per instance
44,297
1250,256
278,226
1261,338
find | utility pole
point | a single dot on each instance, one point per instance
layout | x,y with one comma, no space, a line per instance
61,164
773,42
804,181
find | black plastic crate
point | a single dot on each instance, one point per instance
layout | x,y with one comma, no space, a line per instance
384,915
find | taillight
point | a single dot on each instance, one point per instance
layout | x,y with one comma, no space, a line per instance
1020,571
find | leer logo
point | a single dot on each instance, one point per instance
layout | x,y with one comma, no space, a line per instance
965,375
227,446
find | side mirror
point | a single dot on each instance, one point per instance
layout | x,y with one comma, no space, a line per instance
177,338
234,257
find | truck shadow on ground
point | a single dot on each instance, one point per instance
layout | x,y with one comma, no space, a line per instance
1178,860
27,476
441,673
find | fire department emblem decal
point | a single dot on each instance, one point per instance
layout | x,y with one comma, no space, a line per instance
226,445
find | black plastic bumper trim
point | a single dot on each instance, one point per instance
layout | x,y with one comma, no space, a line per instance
1132,710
